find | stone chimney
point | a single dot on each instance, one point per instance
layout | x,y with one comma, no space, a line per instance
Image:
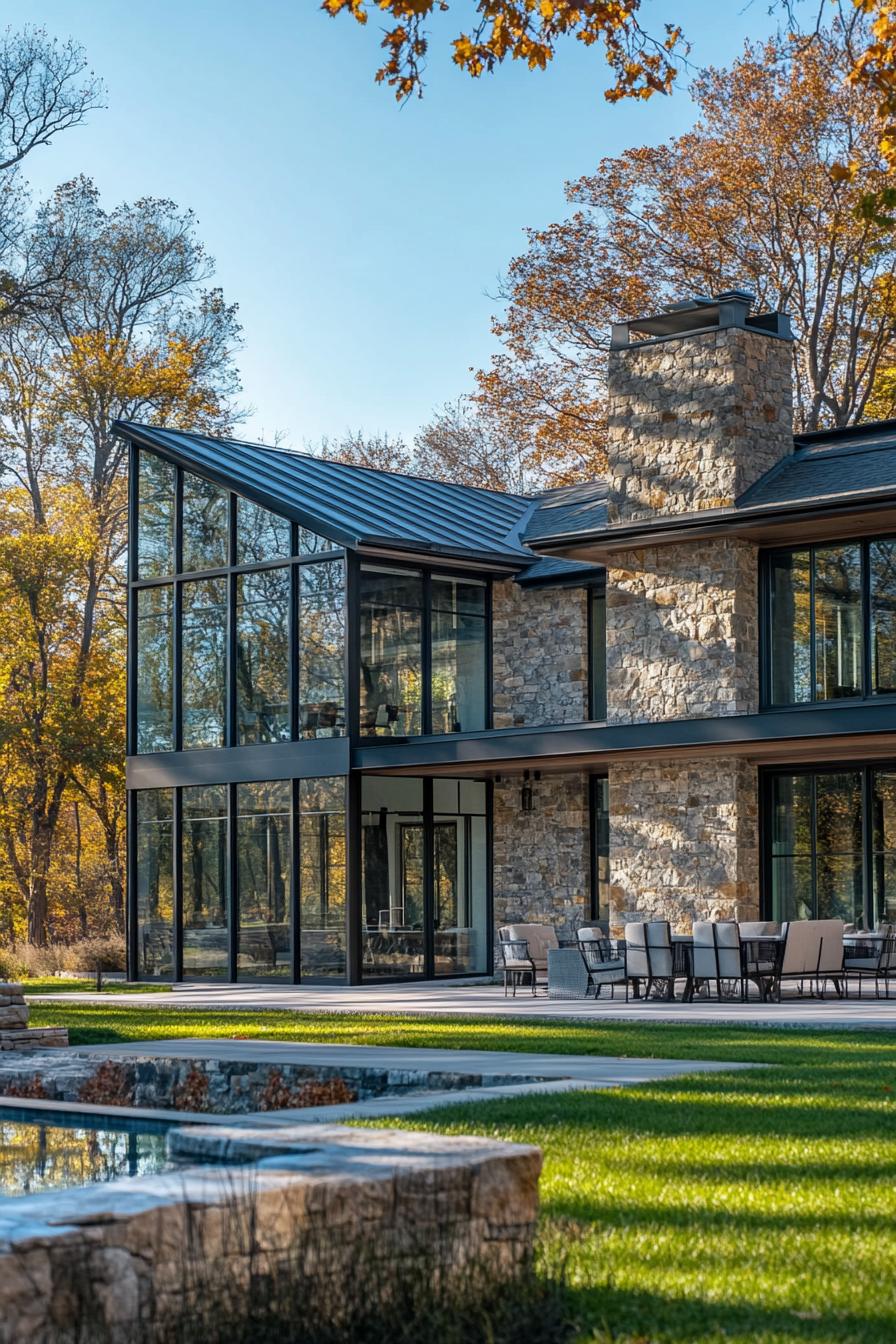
700,406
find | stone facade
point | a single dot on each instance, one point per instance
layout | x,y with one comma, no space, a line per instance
693,422
542,865
540,655
323,1207
696,420
683,840
683,632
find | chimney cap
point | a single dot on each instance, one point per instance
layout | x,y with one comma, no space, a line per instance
731,308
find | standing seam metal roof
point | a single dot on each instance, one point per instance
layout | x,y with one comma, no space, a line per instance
353,505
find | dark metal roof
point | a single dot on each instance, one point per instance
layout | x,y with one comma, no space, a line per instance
567,511
843,464
553,572
355,506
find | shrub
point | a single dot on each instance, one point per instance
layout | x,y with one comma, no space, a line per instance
192,1094
11,966
33,1089
86,954
279,1096
110,1085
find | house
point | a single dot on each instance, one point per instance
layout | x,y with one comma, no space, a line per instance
372,717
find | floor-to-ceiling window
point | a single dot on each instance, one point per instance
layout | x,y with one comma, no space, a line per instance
424,653
425,879
206,885
600,847
322,877
831,843
831,628
238,620
154,881
263,861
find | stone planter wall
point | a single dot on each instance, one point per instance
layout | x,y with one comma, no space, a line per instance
345,1206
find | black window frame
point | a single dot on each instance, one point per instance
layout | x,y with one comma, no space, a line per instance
426,573
176,580
866,769
596,702
767,559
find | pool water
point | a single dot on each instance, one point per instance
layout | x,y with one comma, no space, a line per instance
66,1150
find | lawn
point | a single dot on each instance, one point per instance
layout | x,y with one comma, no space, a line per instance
754,1208
51,984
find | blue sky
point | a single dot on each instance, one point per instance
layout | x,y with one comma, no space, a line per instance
360,239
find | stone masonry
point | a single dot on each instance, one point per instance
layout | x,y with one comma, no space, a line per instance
683,632
15,1034
332,1213
541,858
540,655
683,841
694,421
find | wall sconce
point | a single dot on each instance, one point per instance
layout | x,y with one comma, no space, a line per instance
526,798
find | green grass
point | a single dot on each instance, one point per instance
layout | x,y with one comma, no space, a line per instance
50,984
752,1208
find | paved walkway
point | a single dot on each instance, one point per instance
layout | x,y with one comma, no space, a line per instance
487,1000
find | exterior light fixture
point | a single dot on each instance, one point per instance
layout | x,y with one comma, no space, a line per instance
526,800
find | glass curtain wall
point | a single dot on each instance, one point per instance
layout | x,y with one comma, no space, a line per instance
154,882
322,877
424,870
424,653
206,886
263,850
218,654
321,650
832,838
832,622
391,653
262,656
458,642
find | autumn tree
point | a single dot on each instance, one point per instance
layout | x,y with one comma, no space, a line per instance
46,88
747,199
132,333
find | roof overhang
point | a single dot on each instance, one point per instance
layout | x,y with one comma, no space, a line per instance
767,525
814,733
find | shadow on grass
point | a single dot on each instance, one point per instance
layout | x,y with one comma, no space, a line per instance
642,1317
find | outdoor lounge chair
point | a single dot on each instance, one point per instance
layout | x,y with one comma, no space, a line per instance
602,966
524,951
717,954
812,950
648,954
875,960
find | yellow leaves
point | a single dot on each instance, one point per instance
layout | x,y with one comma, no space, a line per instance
527,30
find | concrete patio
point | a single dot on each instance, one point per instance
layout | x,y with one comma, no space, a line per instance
487,1000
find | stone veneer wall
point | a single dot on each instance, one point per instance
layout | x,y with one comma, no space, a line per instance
696,420
683,632
540,655
542,863
683,840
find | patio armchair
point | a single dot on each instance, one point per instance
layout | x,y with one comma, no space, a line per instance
603,967
648,954
717,954
812,950
874,960
524,951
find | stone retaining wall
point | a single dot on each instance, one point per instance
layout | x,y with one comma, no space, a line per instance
344,1206
15,1034
218,1086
